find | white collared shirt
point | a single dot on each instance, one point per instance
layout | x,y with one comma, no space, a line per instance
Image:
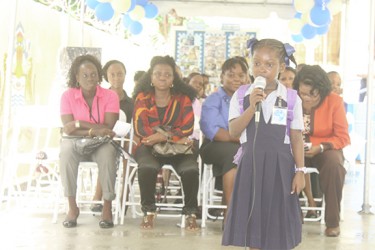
267,108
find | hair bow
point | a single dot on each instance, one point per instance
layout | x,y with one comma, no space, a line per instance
289,49
250,44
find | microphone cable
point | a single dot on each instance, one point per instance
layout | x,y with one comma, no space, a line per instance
253,184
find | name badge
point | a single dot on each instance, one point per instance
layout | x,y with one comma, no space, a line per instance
279,115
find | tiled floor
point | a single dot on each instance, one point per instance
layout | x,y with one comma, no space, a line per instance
21,229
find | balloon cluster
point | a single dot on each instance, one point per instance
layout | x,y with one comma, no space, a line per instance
132,11
313,18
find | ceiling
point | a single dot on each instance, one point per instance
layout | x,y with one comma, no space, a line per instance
228,8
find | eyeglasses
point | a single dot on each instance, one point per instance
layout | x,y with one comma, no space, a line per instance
305,95
158,74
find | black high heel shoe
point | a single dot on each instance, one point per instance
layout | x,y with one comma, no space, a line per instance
106,224
71,223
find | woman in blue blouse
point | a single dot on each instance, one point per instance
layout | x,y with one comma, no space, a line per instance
219,147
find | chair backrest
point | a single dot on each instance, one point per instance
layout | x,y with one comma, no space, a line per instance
34,129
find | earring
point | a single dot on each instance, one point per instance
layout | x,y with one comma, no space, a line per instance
77,84
171,86
152,85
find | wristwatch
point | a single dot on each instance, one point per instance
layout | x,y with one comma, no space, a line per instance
303,169
77,125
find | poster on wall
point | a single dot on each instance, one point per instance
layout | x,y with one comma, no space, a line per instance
68,54
22,86
189,51
206,51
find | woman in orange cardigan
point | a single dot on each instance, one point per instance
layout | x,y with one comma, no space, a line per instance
326,128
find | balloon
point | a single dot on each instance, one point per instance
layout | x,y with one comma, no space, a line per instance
136,28
92,4
320,2
141,2
126,21
303,5
121,6
295,26
151,10
335,6
322,29
297,38
133,3
308,31
305,18
320,16
137,13
104,11
298,15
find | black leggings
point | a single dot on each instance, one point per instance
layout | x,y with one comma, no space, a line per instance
186,167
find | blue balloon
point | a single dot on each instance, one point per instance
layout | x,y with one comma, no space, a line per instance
308,31
297,38
126,21
136,28
322,29
298,15
320,16
141,2
104,11
151,11
92,4
133,3
320,2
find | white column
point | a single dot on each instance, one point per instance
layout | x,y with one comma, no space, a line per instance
370,82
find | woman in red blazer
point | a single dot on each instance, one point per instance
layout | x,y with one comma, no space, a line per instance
326,128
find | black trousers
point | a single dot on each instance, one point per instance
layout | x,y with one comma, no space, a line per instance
220,154
186,167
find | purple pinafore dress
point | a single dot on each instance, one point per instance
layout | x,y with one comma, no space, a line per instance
275,221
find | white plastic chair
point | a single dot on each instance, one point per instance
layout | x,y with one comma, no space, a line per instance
86,185
132,200
30,181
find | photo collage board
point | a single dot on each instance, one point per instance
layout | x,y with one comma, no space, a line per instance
205,52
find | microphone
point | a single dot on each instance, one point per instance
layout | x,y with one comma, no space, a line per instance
259,83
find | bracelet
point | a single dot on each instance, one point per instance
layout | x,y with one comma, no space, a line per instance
303,169
321,148
90,130
77,124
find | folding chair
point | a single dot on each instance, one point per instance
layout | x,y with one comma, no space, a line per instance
133,200
86,185
31,174
318,209
321,208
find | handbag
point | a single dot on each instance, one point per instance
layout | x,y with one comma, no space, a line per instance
86,146
170,148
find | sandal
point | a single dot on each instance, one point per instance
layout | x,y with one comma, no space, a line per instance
96,208
71,223
148,221
191,223
311,214
106,224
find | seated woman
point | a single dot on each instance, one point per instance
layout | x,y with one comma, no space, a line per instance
88,110
219,147
326,128
195,80
114,73
162,99
287,76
